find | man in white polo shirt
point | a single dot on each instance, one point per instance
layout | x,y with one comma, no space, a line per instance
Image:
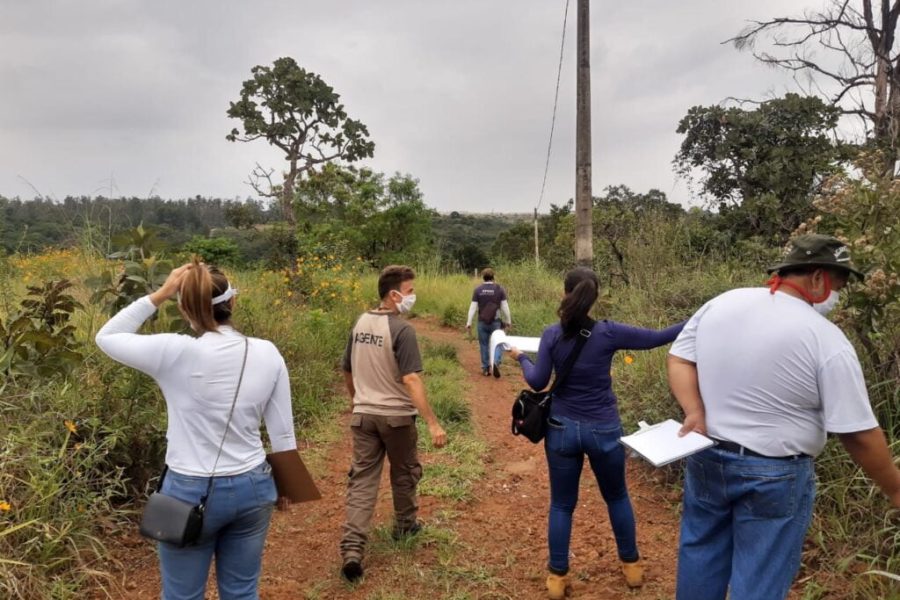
762,371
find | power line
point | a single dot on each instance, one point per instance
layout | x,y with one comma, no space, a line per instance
562,47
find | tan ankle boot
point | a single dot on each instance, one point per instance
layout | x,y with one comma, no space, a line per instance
556,586
634,573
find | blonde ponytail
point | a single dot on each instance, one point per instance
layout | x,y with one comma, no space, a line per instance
196,297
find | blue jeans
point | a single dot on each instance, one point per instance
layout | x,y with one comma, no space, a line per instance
234,529
484,341
743,523
566,444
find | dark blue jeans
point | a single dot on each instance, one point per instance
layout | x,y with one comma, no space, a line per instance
484,340
566,444
743,525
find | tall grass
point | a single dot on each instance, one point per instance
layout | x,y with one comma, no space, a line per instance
77,453
854,529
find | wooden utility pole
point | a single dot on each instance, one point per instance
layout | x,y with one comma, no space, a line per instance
537,254
584,249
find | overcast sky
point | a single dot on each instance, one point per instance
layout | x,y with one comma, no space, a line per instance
456,93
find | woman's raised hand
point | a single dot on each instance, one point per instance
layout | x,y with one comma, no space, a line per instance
171,286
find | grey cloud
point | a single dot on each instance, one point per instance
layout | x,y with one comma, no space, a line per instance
458,94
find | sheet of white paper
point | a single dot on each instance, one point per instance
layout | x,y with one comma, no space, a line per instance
525,344
659,444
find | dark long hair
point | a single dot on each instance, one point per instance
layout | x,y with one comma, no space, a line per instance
582,288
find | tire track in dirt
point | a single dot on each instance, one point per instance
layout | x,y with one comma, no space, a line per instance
503,527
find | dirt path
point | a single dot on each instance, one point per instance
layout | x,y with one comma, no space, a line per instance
507,523
502,529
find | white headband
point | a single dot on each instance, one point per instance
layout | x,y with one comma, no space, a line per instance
225,296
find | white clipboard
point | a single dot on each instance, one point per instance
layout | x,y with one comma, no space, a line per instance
660,445
499,337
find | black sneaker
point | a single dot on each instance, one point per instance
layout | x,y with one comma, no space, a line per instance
405,532
485,372
496,371
352,570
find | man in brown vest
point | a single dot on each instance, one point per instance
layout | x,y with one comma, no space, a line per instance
381,369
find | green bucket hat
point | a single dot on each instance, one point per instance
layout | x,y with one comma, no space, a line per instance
814,250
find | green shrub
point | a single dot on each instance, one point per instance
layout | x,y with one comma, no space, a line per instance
440,350
56,491
38,339
454,316
218,251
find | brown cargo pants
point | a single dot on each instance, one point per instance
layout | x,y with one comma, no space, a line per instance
373,437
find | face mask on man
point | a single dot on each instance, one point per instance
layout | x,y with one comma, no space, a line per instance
826,306
406,303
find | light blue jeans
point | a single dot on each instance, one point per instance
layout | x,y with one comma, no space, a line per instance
566,444
743,524
484,341
234,530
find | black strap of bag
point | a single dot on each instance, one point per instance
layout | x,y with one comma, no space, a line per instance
566,368
168,519
531,409
208,493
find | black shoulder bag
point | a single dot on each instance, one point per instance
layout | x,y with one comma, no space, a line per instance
168,519
531,409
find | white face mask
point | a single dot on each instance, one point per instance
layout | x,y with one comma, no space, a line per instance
823,308
406,303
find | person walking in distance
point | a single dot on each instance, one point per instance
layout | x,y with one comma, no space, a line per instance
763,372
584,420
490,303
381,366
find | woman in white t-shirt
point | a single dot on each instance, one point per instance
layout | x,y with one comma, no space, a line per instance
199,377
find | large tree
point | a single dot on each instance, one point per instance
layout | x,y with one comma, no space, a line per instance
847,51
359,212
621,216
296,111
761,166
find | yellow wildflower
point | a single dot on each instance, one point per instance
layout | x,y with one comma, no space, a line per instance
70,425
629,359
290,293
5,506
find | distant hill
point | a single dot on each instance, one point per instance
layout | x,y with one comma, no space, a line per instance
456,230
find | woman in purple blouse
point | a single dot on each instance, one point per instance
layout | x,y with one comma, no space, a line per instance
584,420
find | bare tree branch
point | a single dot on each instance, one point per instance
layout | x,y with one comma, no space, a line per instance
260,175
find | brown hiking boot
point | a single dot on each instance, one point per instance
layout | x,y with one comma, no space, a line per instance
634,573
557,587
